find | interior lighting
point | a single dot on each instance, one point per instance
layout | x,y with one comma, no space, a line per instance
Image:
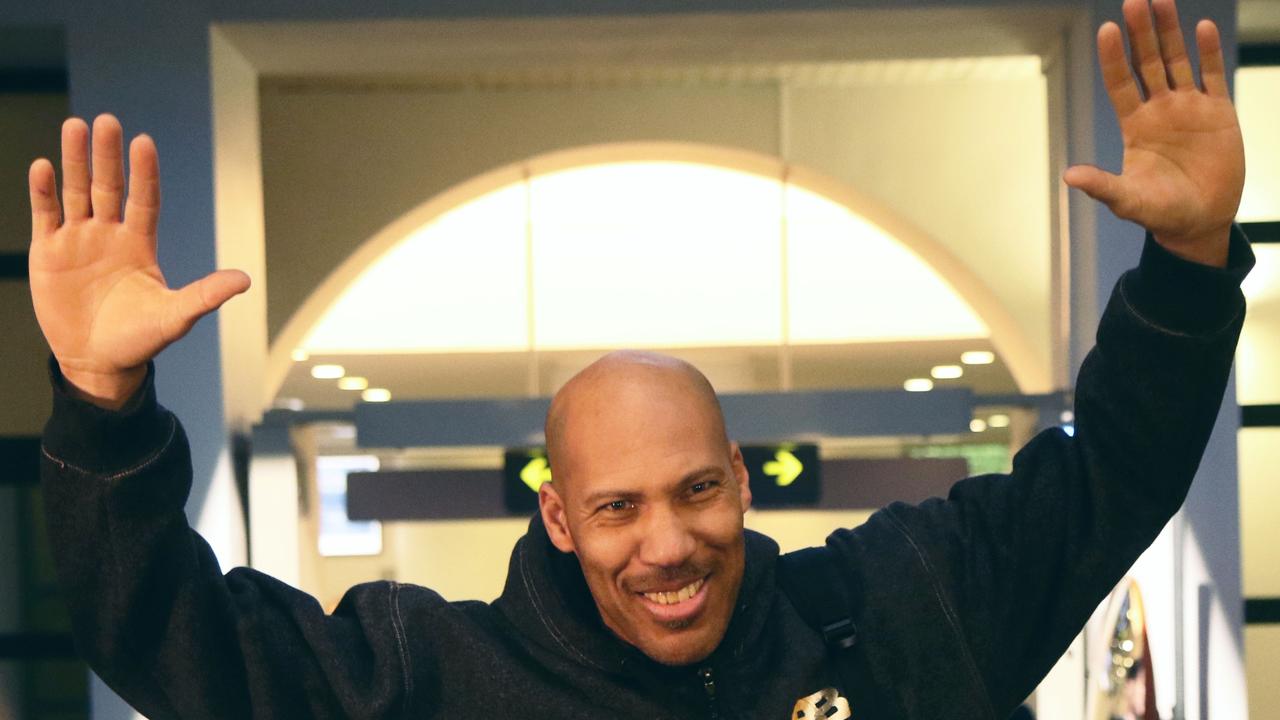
353,382
918,385
977,425
978,357
328,372
998,421
947,372
300,355
376,395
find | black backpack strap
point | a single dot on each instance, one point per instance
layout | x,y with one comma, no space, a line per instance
823,598
809,578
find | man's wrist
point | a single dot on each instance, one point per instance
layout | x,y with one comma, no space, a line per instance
107,390
1209,248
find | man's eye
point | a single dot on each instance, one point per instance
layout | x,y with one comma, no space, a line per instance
703,486
617,506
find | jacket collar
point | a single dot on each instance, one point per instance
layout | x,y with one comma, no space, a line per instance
547,599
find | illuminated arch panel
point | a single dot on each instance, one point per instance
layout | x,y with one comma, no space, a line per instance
608,246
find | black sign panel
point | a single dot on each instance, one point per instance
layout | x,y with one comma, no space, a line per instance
784,475
523,472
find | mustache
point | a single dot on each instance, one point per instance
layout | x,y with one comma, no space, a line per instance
679,575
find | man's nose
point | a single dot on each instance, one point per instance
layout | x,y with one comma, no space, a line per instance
668,540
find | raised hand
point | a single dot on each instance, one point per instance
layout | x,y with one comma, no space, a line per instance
1183,171
99,295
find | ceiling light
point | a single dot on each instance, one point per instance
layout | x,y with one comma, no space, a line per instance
376,395
947,372
353,382
289,403
918,385
977,425
998,421
300,355
328,372
978,357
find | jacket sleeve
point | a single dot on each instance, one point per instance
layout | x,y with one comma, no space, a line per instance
153,614
1005,571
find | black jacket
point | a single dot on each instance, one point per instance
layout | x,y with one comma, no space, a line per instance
966,602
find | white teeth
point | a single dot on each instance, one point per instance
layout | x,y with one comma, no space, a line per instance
669,598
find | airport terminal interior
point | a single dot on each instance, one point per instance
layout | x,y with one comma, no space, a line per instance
848,214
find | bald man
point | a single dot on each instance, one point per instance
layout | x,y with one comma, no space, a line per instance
636,592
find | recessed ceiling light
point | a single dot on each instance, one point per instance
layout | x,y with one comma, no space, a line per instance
289,403
918,385
376,395
998,421
978,357
300,355
977,425
353,382
947,372
328,372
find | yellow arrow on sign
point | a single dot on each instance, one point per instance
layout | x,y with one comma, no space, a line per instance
535,472
785,467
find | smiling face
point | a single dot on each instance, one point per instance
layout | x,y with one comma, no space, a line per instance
649,494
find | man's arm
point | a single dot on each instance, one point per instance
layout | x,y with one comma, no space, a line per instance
997,579
152,612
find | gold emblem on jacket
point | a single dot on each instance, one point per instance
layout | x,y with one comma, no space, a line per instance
823,705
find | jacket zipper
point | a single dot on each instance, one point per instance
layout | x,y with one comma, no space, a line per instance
709,686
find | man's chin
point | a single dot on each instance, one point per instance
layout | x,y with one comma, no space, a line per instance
677,655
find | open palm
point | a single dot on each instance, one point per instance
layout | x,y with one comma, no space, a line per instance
99,295
1183,172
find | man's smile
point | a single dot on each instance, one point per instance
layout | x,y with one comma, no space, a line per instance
680,605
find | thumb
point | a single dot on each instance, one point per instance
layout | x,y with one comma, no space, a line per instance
1107,188
203,297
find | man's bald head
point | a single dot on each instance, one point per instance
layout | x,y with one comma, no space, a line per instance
610,389
649,493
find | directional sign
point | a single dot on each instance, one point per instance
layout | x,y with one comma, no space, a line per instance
524,471
783,475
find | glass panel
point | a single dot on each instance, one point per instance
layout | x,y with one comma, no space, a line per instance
850,282
1258,355
458,282
656,254
1258,103
49,689
1259,499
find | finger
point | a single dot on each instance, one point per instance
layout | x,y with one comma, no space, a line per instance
46,215
1172,48
1121,88
142,210
1144,47
201,298
75,169
1107,188
108,168
1213,71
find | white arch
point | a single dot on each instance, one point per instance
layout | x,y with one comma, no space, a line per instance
1013,346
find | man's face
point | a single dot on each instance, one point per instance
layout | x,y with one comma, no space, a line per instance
650,496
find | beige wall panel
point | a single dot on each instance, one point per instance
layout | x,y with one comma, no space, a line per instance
23,354
966,162
30,126
1259,510
338,166
460,559
1262,670
796,529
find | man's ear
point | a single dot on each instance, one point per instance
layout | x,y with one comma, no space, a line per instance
739,468
551,506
